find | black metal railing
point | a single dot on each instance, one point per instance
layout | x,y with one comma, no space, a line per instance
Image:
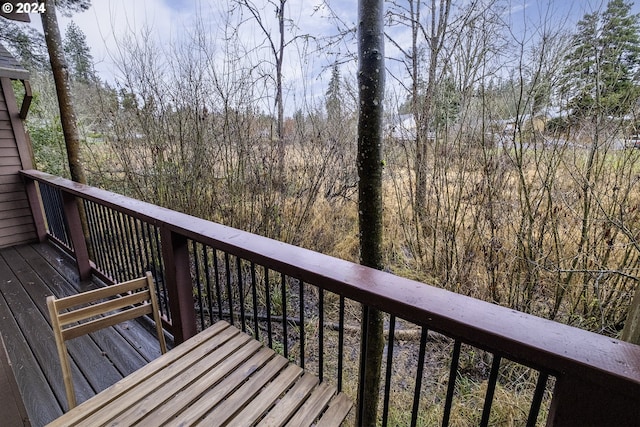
54,215
447,357
273,307
277,309
124,247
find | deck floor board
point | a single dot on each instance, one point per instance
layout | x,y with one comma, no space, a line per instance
96,368
12,411
28,273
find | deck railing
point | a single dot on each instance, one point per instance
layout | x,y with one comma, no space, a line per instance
446,355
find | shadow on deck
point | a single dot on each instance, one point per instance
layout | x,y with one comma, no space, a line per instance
28,274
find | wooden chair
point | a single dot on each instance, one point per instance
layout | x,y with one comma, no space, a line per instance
91,311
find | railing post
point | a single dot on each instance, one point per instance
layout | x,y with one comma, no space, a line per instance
72,215
37,211
579,402
175,254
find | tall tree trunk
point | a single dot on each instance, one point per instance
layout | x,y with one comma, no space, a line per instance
424,127
61,79
631,331
279,101
67,113
371,84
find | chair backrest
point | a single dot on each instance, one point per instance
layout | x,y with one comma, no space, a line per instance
91,311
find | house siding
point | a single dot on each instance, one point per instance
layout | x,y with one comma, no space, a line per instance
16,222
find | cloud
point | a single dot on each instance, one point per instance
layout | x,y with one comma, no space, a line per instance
108,21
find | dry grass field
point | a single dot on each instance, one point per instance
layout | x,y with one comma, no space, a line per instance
546,227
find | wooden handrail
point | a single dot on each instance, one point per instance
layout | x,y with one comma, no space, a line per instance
564,351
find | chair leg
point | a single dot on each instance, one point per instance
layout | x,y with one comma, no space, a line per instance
62,353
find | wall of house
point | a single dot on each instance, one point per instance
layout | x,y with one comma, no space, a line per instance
16,222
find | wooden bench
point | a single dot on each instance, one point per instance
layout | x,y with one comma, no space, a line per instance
219,376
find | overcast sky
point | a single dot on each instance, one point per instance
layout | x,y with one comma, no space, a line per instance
108,21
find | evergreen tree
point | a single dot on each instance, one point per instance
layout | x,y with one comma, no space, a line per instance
68,7
25,43
621,56
601,75
333,103
446,103
127,100
78,54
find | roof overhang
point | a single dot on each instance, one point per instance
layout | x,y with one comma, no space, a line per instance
11,68
13,15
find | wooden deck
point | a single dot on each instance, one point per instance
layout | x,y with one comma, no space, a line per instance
28,274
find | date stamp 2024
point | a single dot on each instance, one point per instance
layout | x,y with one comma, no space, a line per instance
32,7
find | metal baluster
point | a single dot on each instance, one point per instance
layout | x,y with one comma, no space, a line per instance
229,289
241,293
387,381
491,388
267,288
451,386
340,343
321,334
420,371
254,292
216,272
301,320
207,277
285,335
538,394
196,262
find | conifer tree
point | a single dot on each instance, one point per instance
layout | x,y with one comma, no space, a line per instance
25,43
333,103
78,54
601,74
